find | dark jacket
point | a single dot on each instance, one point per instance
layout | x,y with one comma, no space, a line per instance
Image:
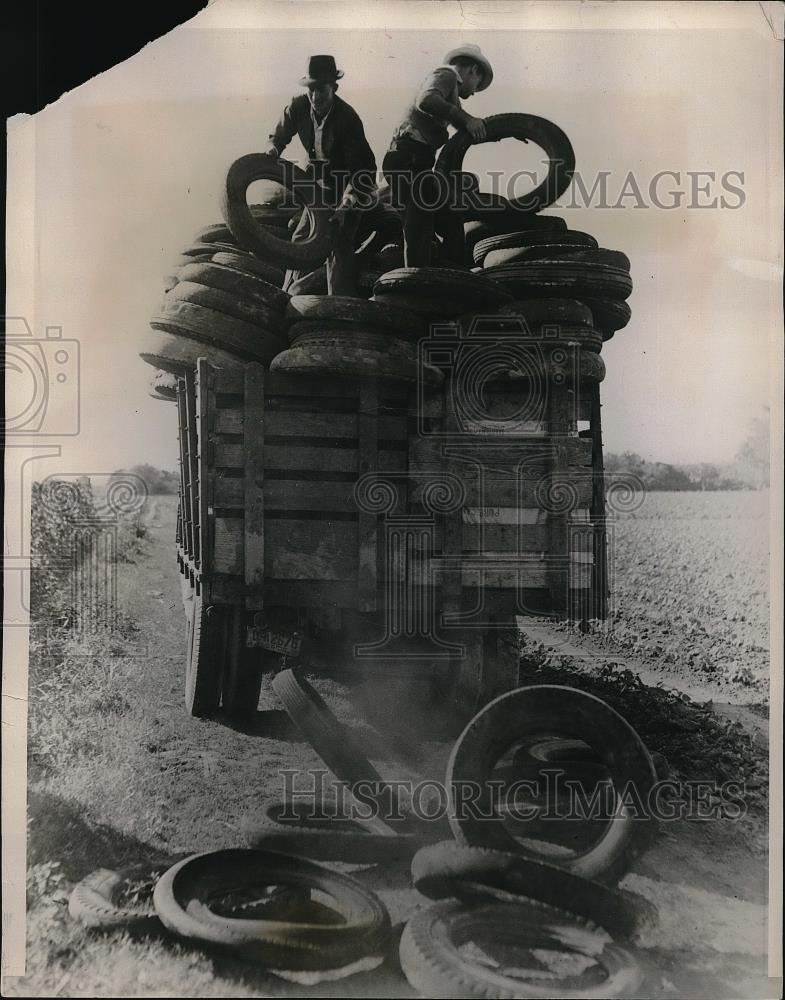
346,150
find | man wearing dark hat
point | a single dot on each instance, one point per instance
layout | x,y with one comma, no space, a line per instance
423,131
341,159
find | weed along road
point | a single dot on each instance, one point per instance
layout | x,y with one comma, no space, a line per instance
120,774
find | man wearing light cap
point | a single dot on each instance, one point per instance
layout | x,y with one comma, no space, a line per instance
423,131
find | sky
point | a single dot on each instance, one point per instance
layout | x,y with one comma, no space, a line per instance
108,184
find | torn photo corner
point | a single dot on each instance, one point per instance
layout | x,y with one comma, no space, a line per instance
393,477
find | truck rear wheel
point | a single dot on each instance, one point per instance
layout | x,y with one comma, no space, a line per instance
202,664
241,679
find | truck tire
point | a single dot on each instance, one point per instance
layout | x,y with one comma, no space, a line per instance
571,713
178,355
239,283
428,307
529,238
435,966
361,352
241,677
258,315
472,289
536,314
202,664
557,252
565,278
609,315
545,134
345,309
187,896
472,874
505,223
266,241
249,264
249,342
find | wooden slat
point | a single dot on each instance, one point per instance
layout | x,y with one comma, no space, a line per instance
228,492
202,401
311,550
228,421
185,478
292,494
508,492
228,543
254,418
228,456
330,425
367,528
426,453
193,466
510,538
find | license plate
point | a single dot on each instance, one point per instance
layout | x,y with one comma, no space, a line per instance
273,642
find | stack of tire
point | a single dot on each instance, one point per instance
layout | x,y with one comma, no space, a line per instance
220,302
343,336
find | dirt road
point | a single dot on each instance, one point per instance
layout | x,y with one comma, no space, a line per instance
126,774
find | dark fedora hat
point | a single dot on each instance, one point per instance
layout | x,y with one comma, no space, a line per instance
321,69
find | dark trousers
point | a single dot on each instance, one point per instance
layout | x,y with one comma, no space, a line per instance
408,169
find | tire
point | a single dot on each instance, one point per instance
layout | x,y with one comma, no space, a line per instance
361,353
96,900
554,359
473,874
251,265
319,329
334,744
537,313
263,317
183,896
609,314
250,342
545,134
163,385
502,224
239,283
435,967
202,665
556,253
332,838
241,677
178,355
352,310
219,233
266,242
529,238
471,289
570,713
565,278
427,307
